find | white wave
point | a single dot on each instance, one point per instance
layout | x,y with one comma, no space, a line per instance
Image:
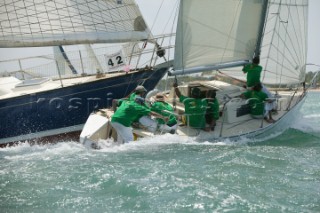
309,123
143,143
157,141
307,119
49,151
27,150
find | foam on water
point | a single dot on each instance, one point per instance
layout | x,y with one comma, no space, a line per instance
167,173
308,120
47,151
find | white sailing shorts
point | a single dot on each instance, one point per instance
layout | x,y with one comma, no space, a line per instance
124,134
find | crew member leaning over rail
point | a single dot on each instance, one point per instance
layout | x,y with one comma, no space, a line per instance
126,114
161,107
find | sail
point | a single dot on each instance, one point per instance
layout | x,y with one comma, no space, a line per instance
215,32
93,57
29,23
63,63
284,44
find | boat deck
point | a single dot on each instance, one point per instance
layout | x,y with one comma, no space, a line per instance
12,87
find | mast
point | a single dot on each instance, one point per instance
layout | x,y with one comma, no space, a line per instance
262,27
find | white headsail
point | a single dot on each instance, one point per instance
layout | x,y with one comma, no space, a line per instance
28,23
284,47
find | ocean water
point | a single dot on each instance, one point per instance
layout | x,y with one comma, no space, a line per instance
169,174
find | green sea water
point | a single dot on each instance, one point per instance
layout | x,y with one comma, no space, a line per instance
169,174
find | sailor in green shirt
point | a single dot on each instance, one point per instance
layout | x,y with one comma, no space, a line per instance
253,78
139,90
258,108
195,107
126,114
163,108
253,72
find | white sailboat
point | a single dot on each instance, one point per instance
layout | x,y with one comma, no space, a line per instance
55,96
220,37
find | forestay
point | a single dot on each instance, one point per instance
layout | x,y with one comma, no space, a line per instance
27,23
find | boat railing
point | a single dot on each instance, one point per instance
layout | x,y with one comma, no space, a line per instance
223,120
172,113
296,93
185,119
223,116
91,60
313,81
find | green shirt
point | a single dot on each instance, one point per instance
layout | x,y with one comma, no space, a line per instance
132,96
158,107
120,101
253,74
195,110
257,105
213,109
128,112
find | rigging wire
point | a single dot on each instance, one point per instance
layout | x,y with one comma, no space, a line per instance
156,17
174,13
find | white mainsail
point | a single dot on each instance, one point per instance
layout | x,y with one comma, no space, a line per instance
29,23
221,34
214,32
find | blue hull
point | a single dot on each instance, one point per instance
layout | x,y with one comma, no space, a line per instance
25,116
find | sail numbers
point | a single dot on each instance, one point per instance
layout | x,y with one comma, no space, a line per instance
115,60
